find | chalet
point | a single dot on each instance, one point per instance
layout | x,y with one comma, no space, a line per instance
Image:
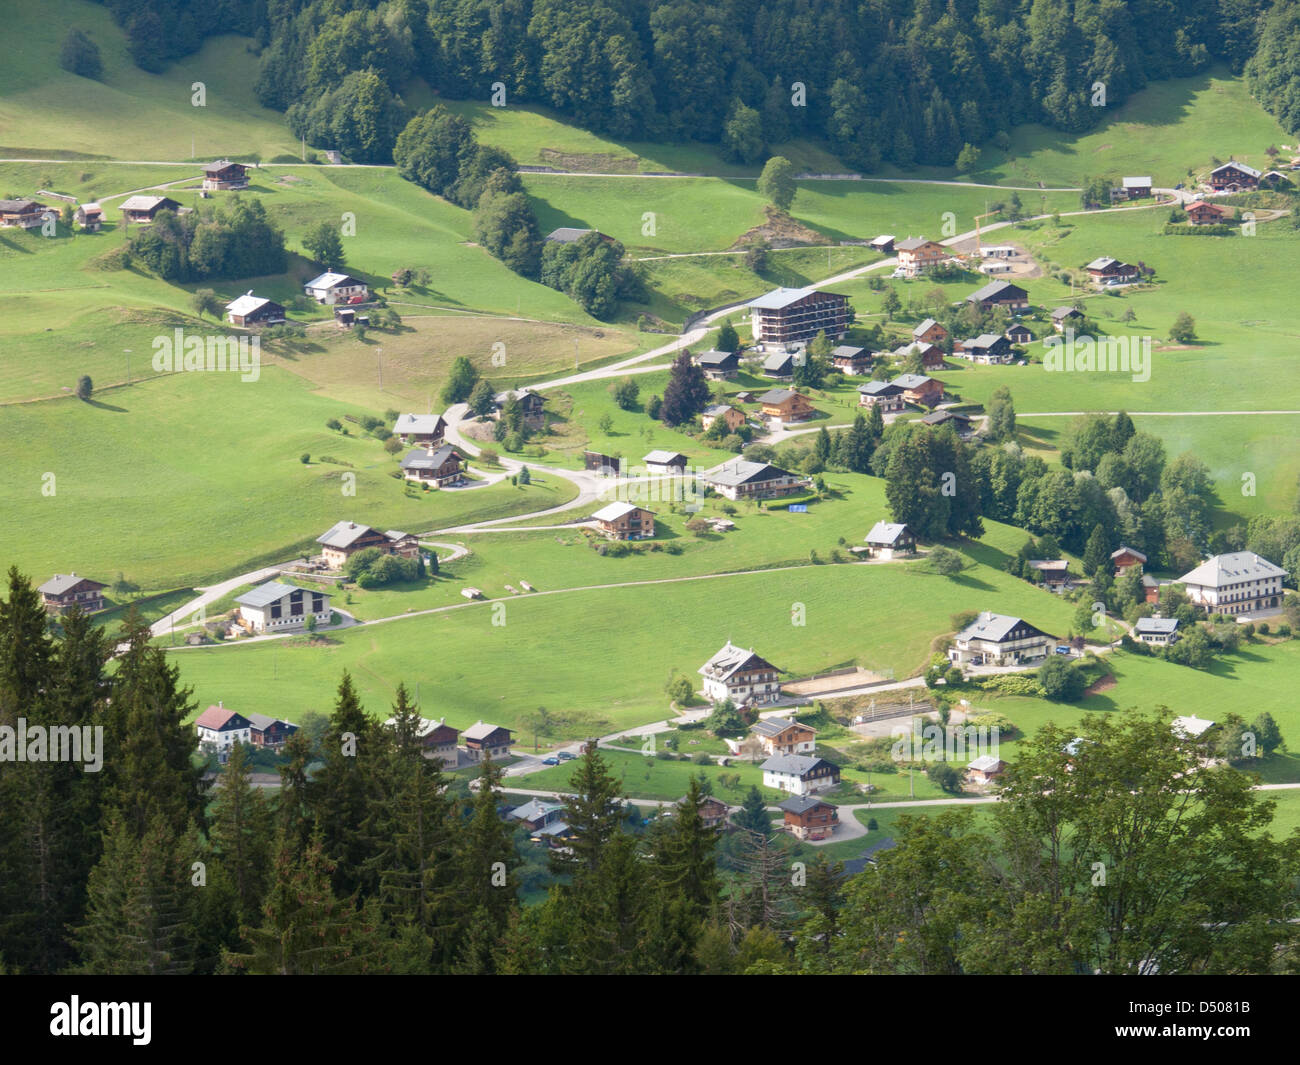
1156,630
1054,573
779,365
273,607
145,208
718,365
929,332
713,812
1190,727
1150,589
1135,188
437,466
572,234
988,349
63,591
1018,334
625,521
962,424
1274,179
732,417
1237,583
605,465
251,310
537,814
932,355
745,397
785,315
809,818
1201,213
1108,271
889,539
673,462
851,360
345,538
1234,177
742,479
531,403
483,740
885,394
1063,316
90,216
1123,557
916,255
221,728
999,294
21,214
741,676
558,835
998,640
919,389
271,732
883,244
438,740
985,769
783,735
799,774
423,429
223,174
330,288
786,405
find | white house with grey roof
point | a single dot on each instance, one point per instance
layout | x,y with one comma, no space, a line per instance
423,429
742,479
437,466
738,674
998,640
889,539
1240,582
331,288
1156,630
799,774
276,607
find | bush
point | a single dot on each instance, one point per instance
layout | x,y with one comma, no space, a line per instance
304,458
701,759
1061,681
945,776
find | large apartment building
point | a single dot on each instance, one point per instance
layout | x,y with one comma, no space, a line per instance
791,315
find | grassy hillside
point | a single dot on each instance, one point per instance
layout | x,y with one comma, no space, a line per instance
45,111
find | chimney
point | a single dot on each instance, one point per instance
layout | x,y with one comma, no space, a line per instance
221,704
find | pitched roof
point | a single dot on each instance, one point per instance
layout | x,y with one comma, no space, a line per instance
614,511
261,722
1190,726
567,234
777,360
925,326
1239,166
19,206
265,594
774,726
1137,182
329,279
985,340
779,298
942,417
1232,568
247,304
714,357
801,804
532,810
65,582
419,424
994,289
480,730
880,388
911,244
993,627
776,396
718,409
665,458
1061,313
1157,626
214,717
343,534
886,532
742,471
798,764
848,351
731,659
421,459
909,381
1122,550
985,763
144,203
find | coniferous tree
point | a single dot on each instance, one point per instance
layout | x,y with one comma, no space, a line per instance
594,811
241,834
339,792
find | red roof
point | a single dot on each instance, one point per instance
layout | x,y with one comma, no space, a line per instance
215,718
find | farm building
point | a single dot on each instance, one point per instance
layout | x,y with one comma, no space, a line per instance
785,315
273,607
423,429
809,818
625,521
1063,316
63,591
605,465
741,676
659,461
998,640
223,174
330,288
1123,557
90,216
250,310
270,732
142,209
1054,573
999,294
1018,334
985,769
742,479
883,244
889,539
1135,188
21,214
437,466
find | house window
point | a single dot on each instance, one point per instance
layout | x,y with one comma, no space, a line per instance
275,610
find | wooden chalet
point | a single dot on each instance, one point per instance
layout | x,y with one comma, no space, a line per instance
144,209
851,360
90,216
919,389
888,540
809,818
437,466
742,479
1201,213
63,591
1108,271
740,675
786,405
999,294
21,214
530,402
732,417
783,735
423,429
345,538
929,332
1234,177
718,365
987,349
223,174
916,255
887,395
250,310
625,521
605,465
484,740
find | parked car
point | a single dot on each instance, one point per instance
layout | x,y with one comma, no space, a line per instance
565,756
1062,650
550,761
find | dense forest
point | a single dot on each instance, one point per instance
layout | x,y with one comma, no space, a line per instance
903,81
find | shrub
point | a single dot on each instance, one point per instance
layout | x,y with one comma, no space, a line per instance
1061,681
701,759
304,458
